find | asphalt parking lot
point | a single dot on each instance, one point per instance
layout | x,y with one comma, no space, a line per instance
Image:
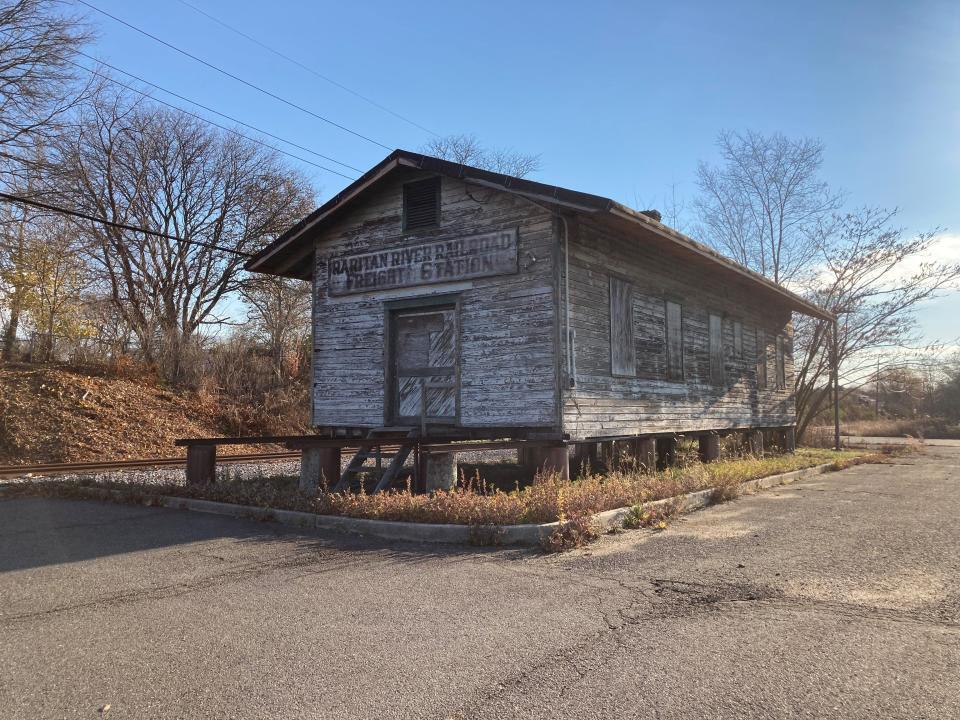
835,597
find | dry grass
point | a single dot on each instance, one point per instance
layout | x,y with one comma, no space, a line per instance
473,503
54,413
932,428
922,428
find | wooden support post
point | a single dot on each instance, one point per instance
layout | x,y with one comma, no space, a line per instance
201,464
319,467
557,459
756,442
780,439
583,455
628,449
619,450
439,470
607,457
709,448
523,457
790,439
769,440
666,452
531,458
551,459
647,454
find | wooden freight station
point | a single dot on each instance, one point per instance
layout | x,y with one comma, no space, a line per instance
452,303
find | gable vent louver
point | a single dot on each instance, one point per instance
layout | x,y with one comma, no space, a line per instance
421,204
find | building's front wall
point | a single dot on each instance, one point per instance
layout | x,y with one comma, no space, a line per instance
647,400
507,322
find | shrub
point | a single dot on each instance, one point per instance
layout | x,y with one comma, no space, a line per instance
725,488
655,516
573,533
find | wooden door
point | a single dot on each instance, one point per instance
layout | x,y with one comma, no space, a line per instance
424,383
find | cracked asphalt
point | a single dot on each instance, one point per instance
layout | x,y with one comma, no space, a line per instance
836,597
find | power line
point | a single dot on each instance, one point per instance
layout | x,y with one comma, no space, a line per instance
110,223
211,122
302,66
216,112
239,79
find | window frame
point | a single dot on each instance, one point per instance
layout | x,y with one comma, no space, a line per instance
626,351
435,180
762,369
715,349
674,367
781,362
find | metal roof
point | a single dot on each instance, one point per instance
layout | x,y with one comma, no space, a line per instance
290,253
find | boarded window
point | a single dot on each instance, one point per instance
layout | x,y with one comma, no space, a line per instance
716,349
674,333
781,364
737,339
761,360
421,203
623,350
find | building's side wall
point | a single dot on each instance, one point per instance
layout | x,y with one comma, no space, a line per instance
604,405
508,369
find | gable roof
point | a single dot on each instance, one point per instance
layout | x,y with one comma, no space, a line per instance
291,253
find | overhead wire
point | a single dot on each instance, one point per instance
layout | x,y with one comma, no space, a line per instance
110,223
211,122
304,66
224,115
233,76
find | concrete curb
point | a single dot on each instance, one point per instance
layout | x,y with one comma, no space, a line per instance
524,535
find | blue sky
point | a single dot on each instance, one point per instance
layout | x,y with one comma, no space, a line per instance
621,99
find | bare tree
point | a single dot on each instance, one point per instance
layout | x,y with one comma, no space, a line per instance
218,195
278,311
58,278
766,207
468,150
14,276
763,204
946,395
860,278
38,80
19,238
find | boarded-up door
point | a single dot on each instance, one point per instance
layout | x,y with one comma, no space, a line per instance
423,363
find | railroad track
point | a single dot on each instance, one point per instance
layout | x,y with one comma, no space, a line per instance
7,471
95,467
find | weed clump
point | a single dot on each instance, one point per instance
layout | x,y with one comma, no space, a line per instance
650,516
573,533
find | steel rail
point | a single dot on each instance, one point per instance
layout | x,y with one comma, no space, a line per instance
89,467
94,467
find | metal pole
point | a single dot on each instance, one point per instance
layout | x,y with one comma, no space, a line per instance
876,400
836,386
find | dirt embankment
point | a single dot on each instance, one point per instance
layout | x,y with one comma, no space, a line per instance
54,414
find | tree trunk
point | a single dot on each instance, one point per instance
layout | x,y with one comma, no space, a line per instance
10,332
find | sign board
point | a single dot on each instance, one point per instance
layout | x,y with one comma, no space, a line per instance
439,261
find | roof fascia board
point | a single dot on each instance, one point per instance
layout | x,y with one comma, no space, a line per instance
344,197
548,199
690,244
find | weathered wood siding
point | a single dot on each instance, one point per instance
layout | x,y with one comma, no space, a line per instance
604,403
508,372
